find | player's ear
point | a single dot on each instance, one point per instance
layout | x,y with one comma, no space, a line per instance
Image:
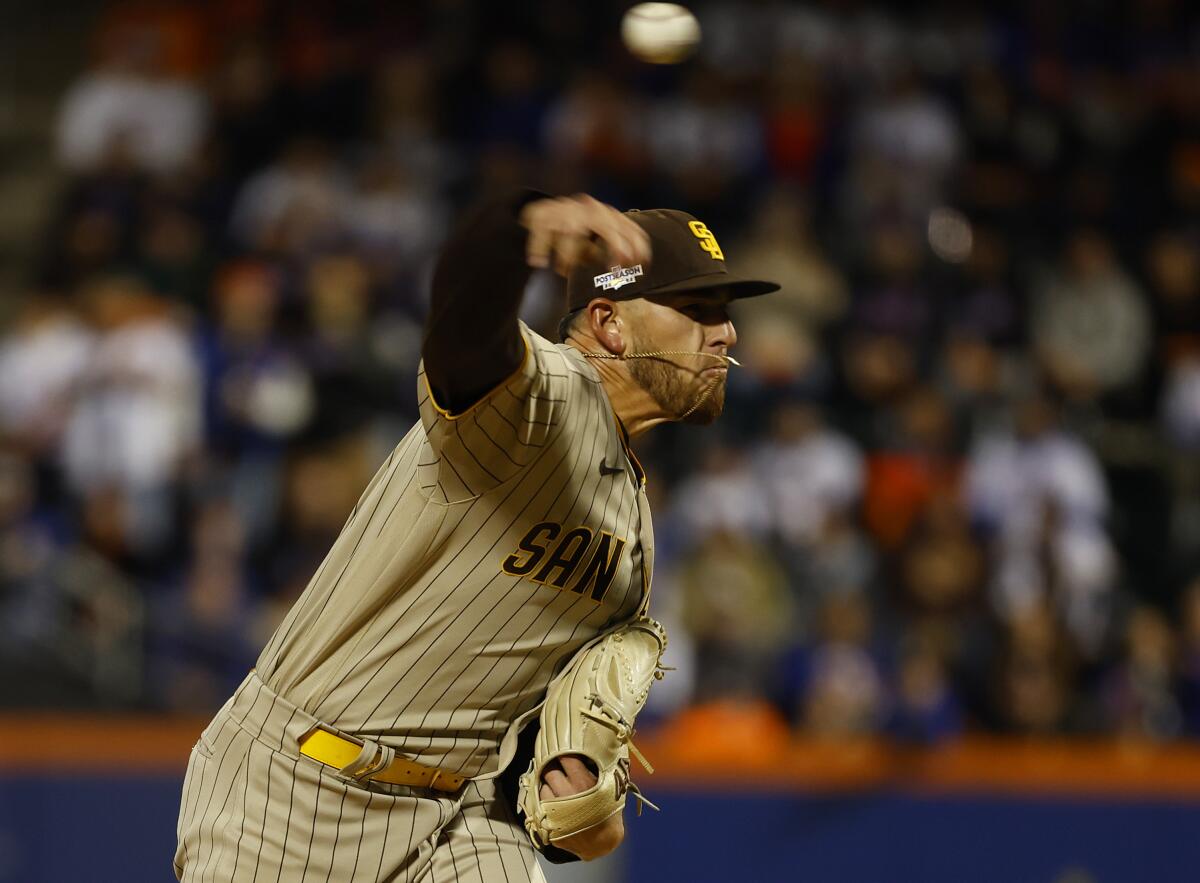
607,326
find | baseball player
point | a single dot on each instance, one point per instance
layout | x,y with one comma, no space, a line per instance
482,614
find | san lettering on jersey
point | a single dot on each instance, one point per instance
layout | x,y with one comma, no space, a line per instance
559,563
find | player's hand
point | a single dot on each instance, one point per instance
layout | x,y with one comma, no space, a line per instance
570,775
570,230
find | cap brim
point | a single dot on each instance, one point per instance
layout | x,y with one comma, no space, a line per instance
738,286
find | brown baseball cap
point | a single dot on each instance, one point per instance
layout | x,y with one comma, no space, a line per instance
686,257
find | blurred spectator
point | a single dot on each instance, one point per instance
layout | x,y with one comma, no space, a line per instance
128,105
905,144
891,322
941,565
796,119
43,358
736,606
294,205
723,496
781,339
1008,142
322,483
172,250
924,707
812,480
354,378
895,297
405,119
1173,265
836,684
590,125
706,143
1181,403
1174,269
980,356
1034,679
1139,694
1189,657
395,222
73,621
780,244
204,639
810,474
918,466
1040,494
249,114
1089,322
512,101
135,417
258,395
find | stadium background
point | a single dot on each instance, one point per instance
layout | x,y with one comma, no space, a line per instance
933,583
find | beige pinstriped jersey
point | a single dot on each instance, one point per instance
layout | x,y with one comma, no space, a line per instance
484,553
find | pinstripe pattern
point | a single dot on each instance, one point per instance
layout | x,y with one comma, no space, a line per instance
321,827
411,632
414,633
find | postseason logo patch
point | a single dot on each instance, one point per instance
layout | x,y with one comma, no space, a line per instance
616,277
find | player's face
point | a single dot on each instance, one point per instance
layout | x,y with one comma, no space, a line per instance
691,323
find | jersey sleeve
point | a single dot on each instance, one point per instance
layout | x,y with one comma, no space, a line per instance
502,433
471,339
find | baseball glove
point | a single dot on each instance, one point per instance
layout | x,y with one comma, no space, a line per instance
589,710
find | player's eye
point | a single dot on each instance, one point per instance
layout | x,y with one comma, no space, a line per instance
706,312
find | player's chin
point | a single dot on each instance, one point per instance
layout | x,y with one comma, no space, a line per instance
708,411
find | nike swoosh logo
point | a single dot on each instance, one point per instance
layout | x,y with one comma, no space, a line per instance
605,469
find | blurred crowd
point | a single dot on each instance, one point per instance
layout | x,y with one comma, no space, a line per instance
957,485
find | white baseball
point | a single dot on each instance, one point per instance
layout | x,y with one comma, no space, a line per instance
660,33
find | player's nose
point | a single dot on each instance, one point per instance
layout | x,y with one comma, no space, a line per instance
724,334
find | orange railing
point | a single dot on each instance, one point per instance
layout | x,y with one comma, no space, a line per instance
63,743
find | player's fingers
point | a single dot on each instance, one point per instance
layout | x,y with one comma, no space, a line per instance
554,232
631,231
569,216
561,233
593,252
558,783
538,245
569,251
620,231
623,238
578,772
610,234
643,239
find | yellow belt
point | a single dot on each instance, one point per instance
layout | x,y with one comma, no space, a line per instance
339,751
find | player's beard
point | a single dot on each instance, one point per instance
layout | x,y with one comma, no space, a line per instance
676,389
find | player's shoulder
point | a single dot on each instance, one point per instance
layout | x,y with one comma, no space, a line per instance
560,360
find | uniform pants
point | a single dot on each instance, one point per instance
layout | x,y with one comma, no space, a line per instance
255,809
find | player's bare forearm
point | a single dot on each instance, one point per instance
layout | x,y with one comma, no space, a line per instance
571,775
